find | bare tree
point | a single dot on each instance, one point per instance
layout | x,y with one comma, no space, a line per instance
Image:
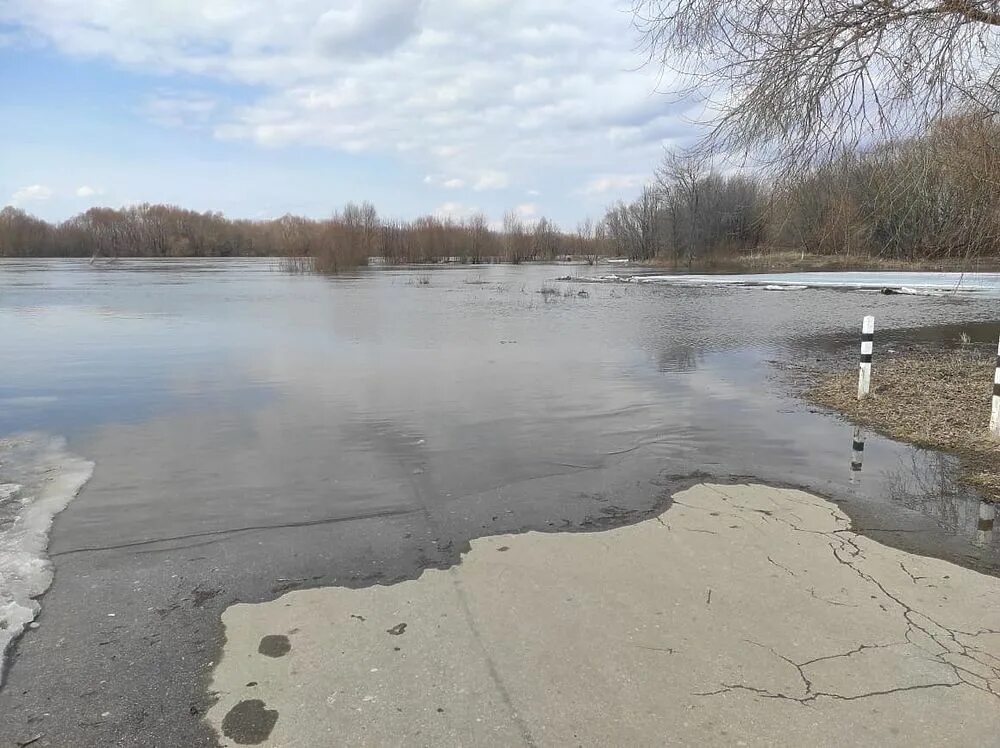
545,241
799,81
516,240
479,237
680,179
635,228
589,240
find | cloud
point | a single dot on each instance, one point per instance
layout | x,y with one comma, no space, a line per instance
32,193
491,180
448,183
366,27
492,93
603,184
190,110
455,211
88,191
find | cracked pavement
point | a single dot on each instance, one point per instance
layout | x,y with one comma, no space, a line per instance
742,615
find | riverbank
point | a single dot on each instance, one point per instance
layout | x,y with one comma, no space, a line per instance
934,399
779,261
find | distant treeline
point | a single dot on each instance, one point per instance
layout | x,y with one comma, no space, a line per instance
347,239
933,197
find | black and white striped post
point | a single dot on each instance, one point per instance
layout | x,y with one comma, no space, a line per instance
857,450
857,454
984,530
865,369
995,413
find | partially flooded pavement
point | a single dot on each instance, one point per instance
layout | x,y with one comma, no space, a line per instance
256,433
740,615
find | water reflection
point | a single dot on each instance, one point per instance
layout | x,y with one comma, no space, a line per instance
223,390
984,530
978,334
857,455
929,482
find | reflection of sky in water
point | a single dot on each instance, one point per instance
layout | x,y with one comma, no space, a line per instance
70,367
308,391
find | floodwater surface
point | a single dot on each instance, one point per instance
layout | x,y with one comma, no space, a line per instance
254,431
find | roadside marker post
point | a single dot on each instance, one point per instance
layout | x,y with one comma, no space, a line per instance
987,515
857,455
865,370
995,414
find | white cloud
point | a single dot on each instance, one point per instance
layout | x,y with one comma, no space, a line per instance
455,211
527,210
189,110
32,193
88,191
366,28
491,93
491,180
449,183
613,183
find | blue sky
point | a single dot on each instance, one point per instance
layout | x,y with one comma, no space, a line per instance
257,108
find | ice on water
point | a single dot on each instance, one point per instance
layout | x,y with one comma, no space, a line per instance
918,283
38,479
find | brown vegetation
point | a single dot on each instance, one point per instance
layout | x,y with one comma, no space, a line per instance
935,400
347,239
931,201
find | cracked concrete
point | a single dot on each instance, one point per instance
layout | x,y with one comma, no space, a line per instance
743,615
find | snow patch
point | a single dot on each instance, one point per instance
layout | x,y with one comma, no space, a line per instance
910,284
38,479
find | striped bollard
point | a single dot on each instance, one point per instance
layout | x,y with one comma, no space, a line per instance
995,413
857,455
984,530
865,370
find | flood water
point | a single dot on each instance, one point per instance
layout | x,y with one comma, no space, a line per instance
229,386
222,400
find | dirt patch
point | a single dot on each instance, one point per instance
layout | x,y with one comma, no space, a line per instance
937,400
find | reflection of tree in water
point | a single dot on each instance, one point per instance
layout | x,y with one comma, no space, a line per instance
927,482
679,356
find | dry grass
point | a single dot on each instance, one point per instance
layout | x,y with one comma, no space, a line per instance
936,400
297,264
780,261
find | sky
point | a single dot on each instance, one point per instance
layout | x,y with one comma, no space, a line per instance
259,108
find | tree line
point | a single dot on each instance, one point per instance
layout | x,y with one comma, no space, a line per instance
346,239
931,197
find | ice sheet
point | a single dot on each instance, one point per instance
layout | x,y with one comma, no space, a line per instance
38,479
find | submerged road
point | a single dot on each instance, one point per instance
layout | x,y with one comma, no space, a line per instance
255,433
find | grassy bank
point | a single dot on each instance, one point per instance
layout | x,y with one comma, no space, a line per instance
939,400
782,261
